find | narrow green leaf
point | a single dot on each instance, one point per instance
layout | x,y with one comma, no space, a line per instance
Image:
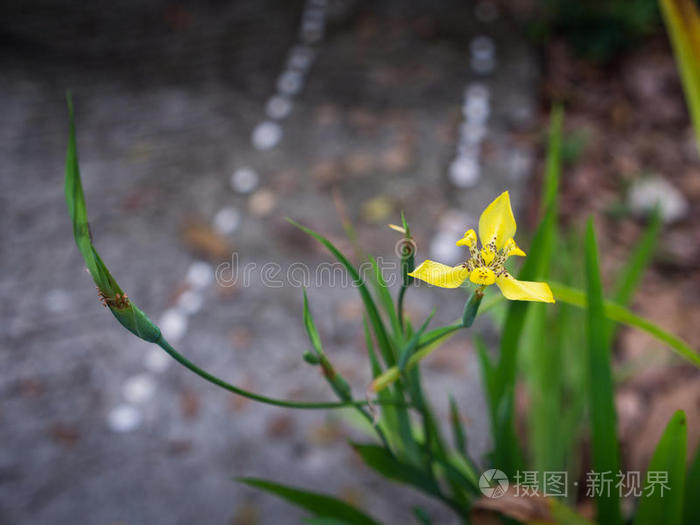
603,420
372,312
458,435
682,18
311,327
553,169
131,317
385,297
126,312
575,297
664,487
630,276
373,361
408,350
388,466
422,516
320,505
691,509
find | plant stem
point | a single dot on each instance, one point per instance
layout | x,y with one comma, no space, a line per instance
257,397
402,292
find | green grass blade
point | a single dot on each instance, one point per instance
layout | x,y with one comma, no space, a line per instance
458,435
691,509
388,466
659,504
682,18
604,441
620,314
553,169
385,298
310,326
320,505
629,277
375,319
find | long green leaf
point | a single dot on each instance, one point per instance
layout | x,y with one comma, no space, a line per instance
371,308
631,274
458,435
131,317
320,505
622,315
388,466
125,311
662,499
385,297
682,19
603,420
310,326
691,509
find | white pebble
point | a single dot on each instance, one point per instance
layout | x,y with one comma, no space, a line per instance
477,90
227,220
173,324
266,135
278,107
482,47
483,64
464,172
244,180
290,82
156,360
57,300
190,302
301,57
471,132
311,32
124,418
199,275
647,193
476,110
139,388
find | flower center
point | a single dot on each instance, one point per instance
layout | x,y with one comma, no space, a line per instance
486,264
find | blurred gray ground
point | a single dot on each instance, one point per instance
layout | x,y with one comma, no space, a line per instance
166,97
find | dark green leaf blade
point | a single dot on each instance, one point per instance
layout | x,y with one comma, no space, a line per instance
601,392
691,510
659,505
388,466
321,505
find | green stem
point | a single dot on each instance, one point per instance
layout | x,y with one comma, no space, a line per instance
402,292
257,397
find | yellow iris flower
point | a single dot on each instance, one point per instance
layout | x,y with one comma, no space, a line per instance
486,265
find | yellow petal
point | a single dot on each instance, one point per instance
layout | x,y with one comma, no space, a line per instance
440,274
497,222
399,229
483,276
524,290
469,239
511,248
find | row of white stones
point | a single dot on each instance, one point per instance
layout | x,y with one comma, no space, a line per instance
266,135
465,169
